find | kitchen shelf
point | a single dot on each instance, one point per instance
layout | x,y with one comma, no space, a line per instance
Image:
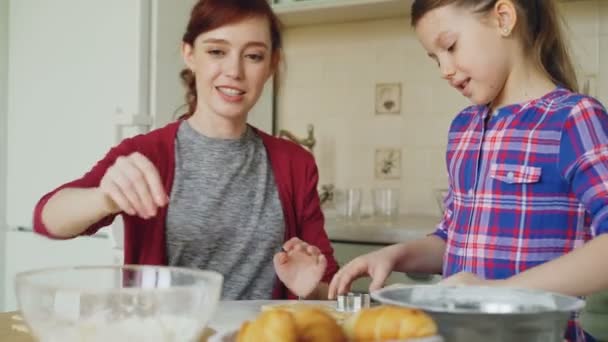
313,12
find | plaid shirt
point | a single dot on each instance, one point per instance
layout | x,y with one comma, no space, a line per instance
527,184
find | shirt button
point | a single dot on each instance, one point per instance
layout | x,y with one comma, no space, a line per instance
470,192
510,175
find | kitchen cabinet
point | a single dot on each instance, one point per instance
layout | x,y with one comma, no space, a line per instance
313,12
3,124
351,240
310,12
345,252
595,316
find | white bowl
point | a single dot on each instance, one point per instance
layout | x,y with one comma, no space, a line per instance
118,303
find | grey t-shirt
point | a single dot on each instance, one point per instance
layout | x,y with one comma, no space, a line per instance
224,213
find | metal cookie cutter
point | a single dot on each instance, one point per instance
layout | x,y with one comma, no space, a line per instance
353,302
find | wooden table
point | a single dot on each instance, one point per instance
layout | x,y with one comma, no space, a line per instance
228,316
8,332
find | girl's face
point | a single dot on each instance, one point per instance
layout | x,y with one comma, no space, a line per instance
469,49
231,64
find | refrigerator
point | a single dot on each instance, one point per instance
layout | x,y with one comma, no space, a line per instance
83,75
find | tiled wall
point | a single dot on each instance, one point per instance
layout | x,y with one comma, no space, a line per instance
330,82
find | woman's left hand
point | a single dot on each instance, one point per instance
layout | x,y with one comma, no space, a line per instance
300,266
466,278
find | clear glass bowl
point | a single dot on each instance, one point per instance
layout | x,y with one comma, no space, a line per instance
118,303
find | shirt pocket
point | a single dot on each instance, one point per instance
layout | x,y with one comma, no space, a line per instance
515,174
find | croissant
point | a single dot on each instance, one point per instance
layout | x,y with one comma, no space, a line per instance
270,326
385,322
292,307
305,325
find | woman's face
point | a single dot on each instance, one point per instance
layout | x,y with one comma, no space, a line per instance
231,64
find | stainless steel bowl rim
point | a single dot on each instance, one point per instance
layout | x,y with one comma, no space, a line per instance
380,296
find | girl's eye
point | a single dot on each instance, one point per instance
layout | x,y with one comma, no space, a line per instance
216,52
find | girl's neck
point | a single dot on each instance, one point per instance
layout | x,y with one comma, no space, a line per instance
524,83
218,127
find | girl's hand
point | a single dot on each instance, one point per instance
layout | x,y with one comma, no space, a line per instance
466,278
378,265
300,266
133,185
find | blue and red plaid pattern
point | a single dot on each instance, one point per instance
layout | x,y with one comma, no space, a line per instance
527,184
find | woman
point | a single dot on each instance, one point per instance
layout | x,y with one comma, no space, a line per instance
209,191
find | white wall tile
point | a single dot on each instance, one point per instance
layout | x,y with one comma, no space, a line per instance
330,82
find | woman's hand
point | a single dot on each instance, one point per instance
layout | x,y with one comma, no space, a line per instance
300,266
133,185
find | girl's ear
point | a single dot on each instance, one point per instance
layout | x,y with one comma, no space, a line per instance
506,15
188,55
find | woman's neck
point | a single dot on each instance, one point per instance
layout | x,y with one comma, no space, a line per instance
215,126
524,83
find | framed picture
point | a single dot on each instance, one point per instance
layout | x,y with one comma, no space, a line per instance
388,98
388,163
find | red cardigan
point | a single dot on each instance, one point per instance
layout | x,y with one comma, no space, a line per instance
295,173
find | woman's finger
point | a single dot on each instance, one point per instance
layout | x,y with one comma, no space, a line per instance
152,179
140,185
113,191
128,189
313,250
291,243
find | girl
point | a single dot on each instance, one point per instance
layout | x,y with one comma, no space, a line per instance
528,163
208,191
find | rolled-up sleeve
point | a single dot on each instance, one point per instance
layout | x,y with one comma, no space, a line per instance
583,159
441,230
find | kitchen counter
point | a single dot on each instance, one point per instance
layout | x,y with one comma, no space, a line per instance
370,231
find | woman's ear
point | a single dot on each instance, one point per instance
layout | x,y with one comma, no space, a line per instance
188,55
506,15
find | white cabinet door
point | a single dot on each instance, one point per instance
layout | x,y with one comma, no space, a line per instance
27,251
72,65
3,129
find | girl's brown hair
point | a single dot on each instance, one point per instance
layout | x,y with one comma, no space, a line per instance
541,31
208,15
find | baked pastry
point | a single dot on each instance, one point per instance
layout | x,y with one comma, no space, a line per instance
386,322
314,325
305,325
294,306
270,326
